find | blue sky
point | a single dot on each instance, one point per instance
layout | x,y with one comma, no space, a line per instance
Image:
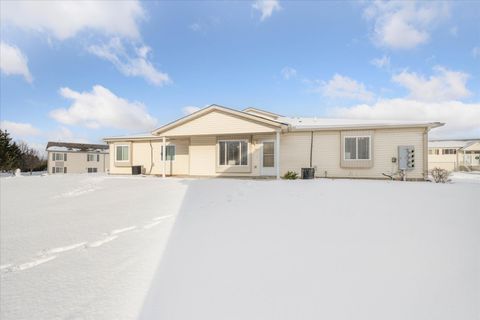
80,71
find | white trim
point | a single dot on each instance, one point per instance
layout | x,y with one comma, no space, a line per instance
233,166
174,152
128,152
277,155
356,147
268,171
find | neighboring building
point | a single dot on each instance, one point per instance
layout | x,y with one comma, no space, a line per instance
219,141
65,157
454,155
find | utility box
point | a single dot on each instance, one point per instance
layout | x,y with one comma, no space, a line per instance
406,157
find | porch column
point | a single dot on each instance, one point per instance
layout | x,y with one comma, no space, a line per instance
164,153
277,154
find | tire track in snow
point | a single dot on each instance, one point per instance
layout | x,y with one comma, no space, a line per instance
117,231
63,249
99,243
47,254
163,217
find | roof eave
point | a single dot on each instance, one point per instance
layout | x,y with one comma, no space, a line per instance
213,107
367,126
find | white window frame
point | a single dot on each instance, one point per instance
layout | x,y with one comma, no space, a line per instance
166,147
356,148
229,165
58,170
93,156
55,154
128,152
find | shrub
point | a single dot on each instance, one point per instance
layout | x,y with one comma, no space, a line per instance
290,175
440,175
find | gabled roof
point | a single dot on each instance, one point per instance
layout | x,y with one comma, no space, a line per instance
71,146
215,107
263,113
456,144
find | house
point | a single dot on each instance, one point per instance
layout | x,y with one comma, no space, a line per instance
65,157
453,155
219,141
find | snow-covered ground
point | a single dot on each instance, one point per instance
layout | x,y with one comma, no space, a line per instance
104,247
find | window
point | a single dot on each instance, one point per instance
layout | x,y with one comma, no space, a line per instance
92,170
59,156
170,153
121,153
357,148
93,157
59,170
449,151
233,153
430,151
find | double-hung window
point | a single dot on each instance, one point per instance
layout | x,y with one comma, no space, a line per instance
357,148
93,157
449,151
59,156
92,170
170,154
233,153
121,153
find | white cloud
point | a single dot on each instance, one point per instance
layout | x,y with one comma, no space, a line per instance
65,19
195,27
476,52
189,110
403,24
383,62
346,88
65,135
102,108
462,119
266,7
130,64
19,129
444,85
289,73
14,62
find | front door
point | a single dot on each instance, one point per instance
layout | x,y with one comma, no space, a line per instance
268,162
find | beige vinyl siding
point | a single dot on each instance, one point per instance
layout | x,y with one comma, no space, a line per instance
443,161
202,152
327,153
217,123
77,162
294,151
149,156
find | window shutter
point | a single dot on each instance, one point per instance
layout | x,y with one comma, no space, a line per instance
64,157
53,156
98,157
64,169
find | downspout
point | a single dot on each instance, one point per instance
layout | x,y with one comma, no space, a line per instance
151,156
311,149
425,154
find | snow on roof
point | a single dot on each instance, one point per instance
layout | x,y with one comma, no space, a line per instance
55,148
146,135
319,123
450,143
76,147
